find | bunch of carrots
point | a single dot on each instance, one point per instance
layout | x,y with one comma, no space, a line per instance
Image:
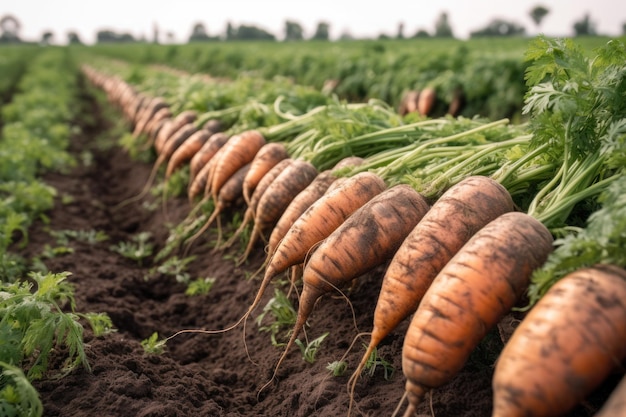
339,189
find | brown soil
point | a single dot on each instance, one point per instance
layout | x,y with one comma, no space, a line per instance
200,374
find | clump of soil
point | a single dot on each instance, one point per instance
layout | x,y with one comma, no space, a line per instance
200,374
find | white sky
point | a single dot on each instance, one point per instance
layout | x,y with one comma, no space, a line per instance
359,18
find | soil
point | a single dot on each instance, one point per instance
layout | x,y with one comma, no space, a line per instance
209,374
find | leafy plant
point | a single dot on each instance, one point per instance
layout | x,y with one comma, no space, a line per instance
374,361
175,267
337,368
137,249
283,312
18,398
200,286
310,349
153,345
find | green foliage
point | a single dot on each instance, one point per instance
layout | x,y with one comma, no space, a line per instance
200,286
337,368
18,398
137,249
153,345
309,350
283,316
374,361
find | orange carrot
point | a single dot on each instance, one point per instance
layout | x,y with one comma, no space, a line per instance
237,152
273,202
320,220
205,153
457,215
170,128
568,343
228,196
426,101
473,291
265,182
186,151
155,121
298,205
202,181
144,117
368,238
268,156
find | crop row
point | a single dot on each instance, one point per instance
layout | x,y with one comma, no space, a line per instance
462,211
37,312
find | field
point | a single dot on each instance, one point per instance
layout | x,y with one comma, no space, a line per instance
111,243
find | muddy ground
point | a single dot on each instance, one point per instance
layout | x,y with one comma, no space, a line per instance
200,374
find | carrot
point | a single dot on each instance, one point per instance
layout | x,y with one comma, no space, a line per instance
205,153
368,238
144,117
202,180
263,185
228,196
156,121
237,152
213,125
298,205
320,220
568,343
473,291
186,151
170,128
273,202
426,101
268,156
408,104
457,215
616,404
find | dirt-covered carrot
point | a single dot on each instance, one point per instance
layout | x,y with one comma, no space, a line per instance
145,117
205,153
263,184
473,291
186,151
320,220
266,158
272,204
457,215
238,151
156,121
170,128
568,343
368,238
229,194
298,205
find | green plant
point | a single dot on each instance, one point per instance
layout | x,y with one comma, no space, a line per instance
200,286
283,312
337,368
175,267
153,345
310,349
137,249
374,361
18,398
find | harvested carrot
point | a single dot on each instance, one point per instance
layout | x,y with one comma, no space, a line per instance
205,153
170,128
568,343
287,185
457,215
186,151
298,205
238,151
229,194
426,101
473,291
267,157
142,118
263,185
319,221
202,181
368,238
156,121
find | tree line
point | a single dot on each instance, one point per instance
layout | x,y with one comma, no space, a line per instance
293,31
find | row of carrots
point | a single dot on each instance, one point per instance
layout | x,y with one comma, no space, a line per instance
455,266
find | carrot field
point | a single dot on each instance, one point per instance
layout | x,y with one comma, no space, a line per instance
366,228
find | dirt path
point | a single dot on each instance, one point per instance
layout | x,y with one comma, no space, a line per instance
204,375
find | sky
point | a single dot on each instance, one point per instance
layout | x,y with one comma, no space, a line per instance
358,18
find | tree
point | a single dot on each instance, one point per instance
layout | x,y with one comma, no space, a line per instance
247,32
198,33
537,14
585,27
9,29
322,32
293,31
73,38
46,37
499,27
421,33
400,33
442,27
